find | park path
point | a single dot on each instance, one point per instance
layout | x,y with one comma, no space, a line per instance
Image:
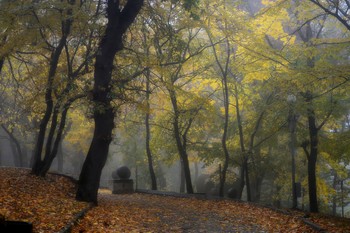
152,213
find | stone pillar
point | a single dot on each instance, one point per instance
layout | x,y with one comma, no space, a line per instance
121,182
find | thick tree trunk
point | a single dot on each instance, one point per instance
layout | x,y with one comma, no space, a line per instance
148,135
111,43
89,179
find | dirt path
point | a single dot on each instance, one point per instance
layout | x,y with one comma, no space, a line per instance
148,213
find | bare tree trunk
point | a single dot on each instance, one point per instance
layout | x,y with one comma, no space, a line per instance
118,22
148,134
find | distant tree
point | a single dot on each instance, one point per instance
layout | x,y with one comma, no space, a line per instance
148,132
223,59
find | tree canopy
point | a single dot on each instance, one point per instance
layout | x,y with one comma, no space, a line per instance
246,93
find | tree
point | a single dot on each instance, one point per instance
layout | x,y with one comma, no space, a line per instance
148,132
310,32
79,51
111,42
175,47
338,9
224,69
54,60
145,34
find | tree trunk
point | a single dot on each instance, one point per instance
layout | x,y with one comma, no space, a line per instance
55,56
241,182
246,169
16,158
224,73
334,201
224,136
312,155
148,135
2,60
89,178
51,154
111,43
245,173
55,135
181,144
16,148
313,131
49,140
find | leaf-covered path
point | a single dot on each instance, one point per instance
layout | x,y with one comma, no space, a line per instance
48,203
151,213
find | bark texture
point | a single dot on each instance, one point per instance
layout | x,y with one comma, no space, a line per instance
118,22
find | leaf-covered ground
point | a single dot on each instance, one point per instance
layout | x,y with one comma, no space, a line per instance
49,204
150,213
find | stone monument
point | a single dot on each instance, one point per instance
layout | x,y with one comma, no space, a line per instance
121,181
